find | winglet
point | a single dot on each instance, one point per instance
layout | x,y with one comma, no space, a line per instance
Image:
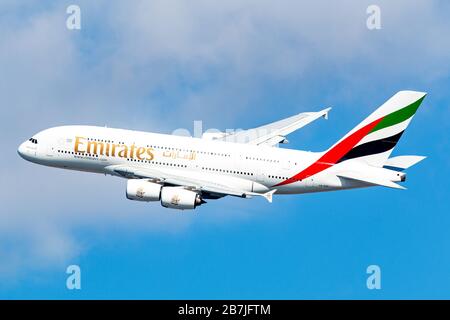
268,195
325,113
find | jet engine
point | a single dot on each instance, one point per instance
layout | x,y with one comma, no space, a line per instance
143,190
179,198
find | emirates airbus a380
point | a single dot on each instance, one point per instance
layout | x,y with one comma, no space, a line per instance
183,172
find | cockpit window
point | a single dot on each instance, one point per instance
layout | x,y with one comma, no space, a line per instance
33,140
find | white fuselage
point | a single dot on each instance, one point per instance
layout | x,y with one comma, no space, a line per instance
244,166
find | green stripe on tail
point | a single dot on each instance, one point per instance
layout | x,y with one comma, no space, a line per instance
398,116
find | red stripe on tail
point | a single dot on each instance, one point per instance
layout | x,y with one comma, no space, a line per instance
333,155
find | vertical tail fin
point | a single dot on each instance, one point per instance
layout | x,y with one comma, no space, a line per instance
374,139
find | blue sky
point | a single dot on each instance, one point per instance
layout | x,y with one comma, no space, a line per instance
160,65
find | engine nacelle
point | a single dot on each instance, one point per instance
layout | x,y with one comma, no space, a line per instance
179,198
143,190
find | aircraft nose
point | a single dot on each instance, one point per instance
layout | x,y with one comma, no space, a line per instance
22,150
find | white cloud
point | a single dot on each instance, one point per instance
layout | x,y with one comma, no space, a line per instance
158,65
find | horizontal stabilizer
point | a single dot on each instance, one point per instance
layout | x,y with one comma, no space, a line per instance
402,162
358,176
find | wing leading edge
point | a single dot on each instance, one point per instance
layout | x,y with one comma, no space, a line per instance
273,133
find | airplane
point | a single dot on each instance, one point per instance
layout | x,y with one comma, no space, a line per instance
183,172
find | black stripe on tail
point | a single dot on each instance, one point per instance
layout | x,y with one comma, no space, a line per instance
372,147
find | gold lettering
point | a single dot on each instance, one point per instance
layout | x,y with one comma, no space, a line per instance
78,143
113,149
95,146
107,149
133,146
124,152
151,156
139,152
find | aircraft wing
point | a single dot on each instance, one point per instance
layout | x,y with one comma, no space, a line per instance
178,178
275,132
